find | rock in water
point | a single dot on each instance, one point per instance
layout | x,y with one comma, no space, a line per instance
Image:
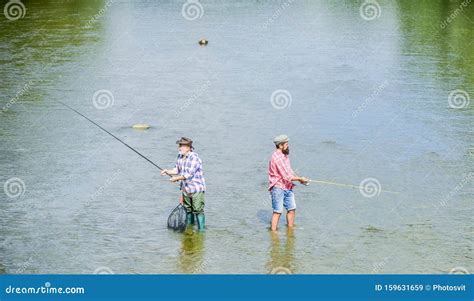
141,126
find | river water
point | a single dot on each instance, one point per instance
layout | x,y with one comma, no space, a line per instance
364,99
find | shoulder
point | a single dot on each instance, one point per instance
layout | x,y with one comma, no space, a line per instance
193,156
276,154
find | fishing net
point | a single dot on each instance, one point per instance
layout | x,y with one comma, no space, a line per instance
177,219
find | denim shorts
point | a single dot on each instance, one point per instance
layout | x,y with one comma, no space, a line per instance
282,198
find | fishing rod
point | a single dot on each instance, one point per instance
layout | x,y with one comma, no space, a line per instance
346,185
71,108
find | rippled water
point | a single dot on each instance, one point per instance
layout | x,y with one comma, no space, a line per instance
365,99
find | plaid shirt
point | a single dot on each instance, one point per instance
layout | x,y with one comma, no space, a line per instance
280,172
190,167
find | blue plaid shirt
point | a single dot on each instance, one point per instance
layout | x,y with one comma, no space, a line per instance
190,167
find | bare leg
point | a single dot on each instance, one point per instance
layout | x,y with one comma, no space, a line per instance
290,218
275,219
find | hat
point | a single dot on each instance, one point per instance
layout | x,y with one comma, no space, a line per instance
280,139
185,141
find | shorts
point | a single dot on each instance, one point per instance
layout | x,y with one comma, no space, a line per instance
282,198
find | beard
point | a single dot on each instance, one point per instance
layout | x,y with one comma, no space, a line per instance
286,151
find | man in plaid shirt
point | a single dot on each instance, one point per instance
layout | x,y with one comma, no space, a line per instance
281,177
188,170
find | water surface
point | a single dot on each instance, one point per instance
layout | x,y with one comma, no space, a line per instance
369,99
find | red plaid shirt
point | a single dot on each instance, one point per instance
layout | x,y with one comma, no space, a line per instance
280,172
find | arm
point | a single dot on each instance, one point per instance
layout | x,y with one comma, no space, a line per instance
287,172
302,180
176,178
170,172
299,179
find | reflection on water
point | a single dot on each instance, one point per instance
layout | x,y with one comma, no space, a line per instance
191,253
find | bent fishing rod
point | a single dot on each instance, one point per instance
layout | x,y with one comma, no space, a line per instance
74,110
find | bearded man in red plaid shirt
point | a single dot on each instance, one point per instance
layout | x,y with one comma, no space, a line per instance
281,178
